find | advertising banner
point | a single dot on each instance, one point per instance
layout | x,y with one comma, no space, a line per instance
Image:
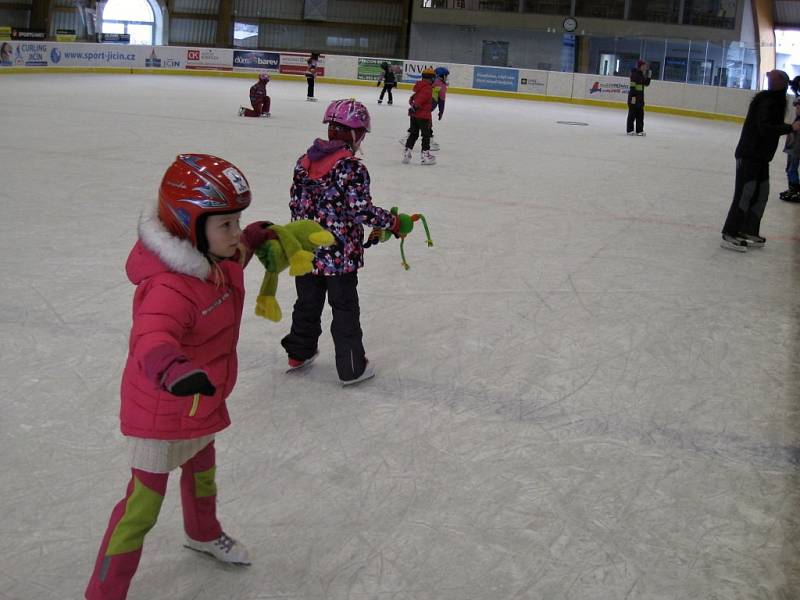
165,58
369,69
495,78
412,69
532,82
18,33
65,35
209,59
5,33
6,54
295,64
614,89
23,54
114,38
256,59
90,55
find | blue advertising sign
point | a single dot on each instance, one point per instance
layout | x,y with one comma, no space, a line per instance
495,78
253,59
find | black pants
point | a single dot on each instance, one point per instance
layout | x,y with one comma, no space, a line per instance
635,114
749,197
387,88
431,122
310,92
418,126
342,292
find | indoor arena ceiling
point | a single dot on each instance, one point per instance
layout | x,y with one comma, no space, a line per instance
787,14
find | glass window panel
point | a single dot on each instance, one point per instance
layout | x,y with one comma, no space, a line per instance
787,51
113,27
499,5
547,7
242,31
676,61
656,11
128,10
710,13
715,55
141,34
602,9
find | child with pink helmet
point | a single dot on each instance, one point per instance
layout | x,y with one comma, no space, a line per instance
332,187
258,98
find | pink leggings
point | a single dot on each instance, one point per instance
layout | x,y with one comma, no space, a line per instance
136,514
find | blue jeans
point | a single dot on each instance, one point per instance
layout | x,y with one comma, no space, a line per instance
792,163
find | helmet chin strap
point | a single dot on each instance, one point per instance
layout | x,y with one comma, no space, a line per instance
357,141
348,136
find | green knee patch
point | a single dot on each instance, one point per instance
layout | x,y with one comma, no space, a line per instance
204,485
141,512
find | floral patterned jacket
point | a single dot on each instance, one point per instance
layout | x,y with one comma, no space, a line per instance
331,187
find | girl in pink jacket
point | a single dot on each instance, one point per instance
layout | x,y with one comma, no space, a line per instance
187,267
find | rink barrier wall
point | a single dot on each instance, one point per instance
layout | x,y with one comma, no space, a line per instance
688,100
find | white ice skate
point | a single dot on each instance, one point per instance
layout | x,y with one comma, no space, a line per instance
406,156
641,134
311,99
299,365
427,158
266,115
368,373
241,111
224,549
434,147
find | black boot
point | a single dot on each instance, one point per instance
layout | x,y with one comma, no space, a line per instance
792,194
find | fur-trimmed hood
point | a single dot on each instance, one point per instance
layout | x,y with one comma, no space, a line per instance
159,251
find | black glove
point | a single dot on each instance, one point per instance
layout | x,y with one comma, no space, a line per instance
195,382
378,84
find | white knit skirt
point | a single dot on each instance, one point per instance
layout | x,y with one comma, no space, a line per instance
163,456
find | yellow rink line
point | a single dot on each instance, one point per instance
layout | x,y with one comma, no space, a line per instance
683,112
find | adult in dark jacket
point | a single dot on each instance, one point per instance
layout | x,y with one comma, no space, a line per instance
762,128
640,78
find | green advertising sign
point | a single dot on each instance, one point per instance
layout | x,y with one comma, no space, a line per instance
369,69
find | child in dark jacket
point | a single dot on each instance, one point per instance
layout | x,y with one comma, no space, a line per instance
332,187
640,79
389,80
311,75
420,114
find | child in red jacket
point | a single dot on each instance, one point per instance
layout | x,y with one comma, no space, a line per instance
187,267
420,113
258,99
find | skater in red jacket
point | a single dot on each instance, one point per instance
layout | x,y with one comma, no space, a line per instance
420,114
187,266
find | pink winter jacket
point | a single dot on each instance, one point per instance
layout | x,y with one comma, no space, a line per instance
178,306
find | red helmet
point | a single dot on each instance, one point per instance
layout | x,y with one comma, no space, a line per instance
195,186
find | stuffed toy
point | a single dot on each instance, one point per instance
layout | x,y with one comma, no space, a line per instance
405,226
291,245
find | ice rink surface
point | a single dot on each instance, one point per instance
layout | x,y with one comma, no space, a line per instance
579,394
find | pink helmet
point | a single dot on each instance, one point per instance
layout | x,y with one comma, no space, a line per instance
350,113
263,76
